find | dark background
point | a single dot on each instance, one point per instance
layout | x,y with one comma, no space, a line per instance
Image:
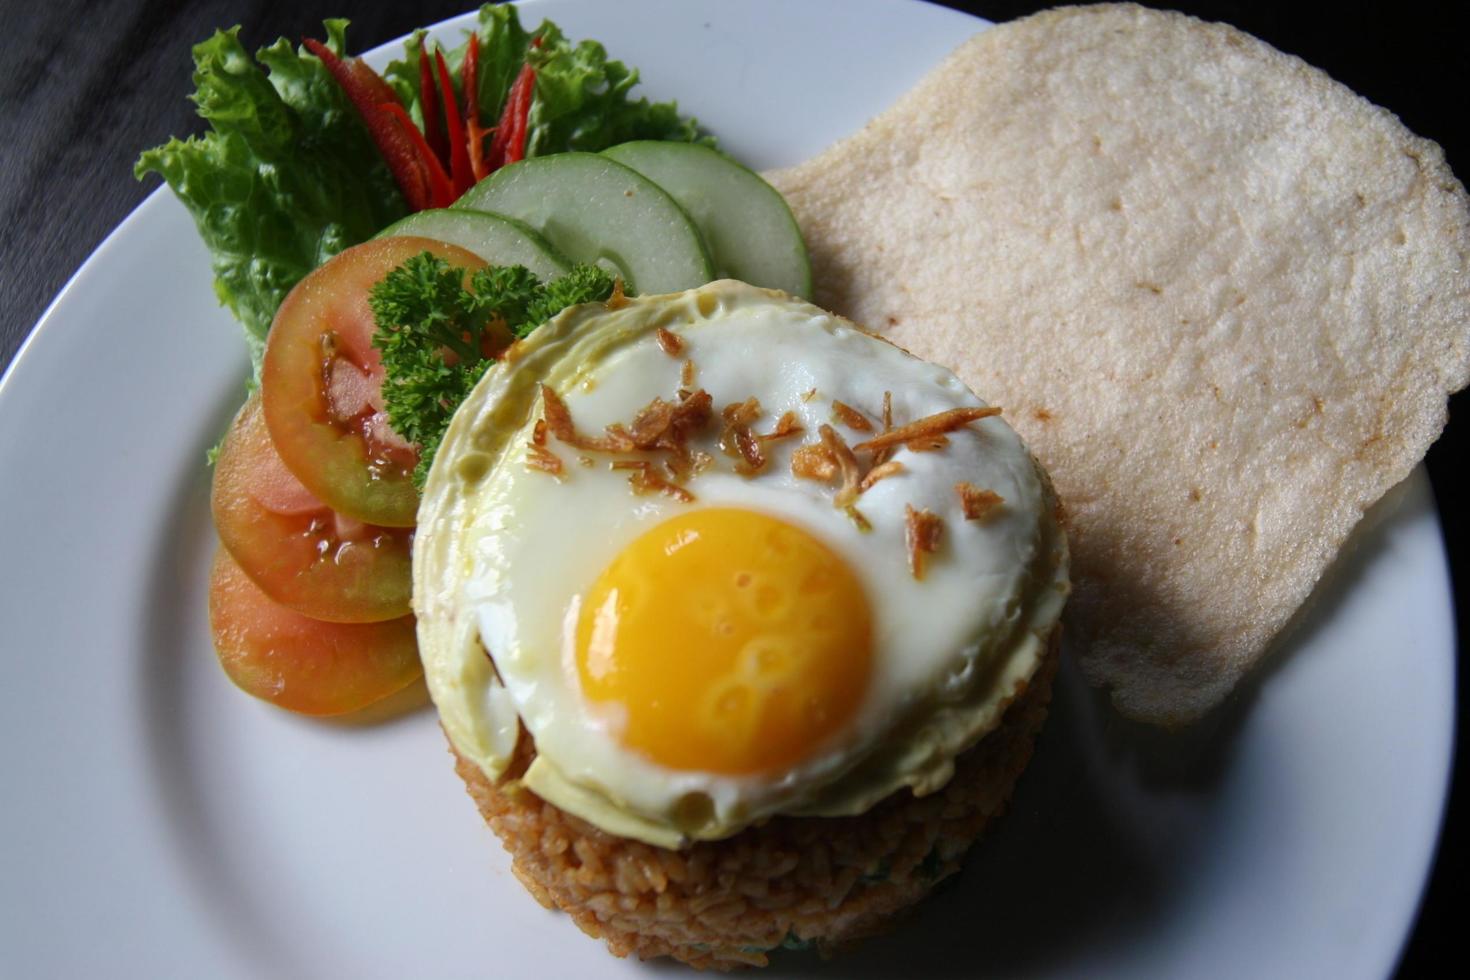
85,86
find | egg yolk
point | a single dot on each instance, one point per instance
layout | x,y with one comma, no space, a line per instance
726,641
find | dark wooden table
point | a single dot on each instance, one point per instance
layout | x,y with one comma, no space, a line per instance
85,85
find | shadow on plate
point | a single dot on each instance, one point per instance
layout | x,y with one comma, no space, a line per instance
176,582
1105,823
1057,870
1098,842
176,588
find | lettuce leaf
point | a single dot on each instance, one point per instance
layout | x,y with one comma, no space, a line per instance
286,177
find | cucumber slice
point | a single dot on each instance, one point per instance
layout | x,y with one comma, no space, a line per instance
592,209
745,221
495,238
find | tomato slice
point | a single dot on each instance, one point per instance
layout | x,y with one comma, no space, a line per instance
321,385
294,547
299,663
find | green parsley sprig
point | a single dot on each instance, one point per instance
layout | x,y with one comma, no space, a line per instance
431,332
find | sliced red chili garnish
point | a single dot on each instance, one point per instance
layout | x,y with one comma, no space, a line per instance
516,147
474,133
459,157
434,166
429,105
441,192
509,144
367,91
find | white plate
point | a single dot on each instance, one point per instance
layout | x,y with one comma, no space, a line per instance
157,823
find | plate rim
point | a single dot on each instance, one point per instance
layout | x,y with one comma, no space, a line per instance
53,316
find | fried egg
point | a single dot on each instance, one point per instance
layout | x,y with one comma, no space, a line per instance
754,613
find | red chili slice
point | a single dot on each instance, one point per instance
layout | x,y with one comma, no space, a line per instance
441,191
509,144
367,91
474,133
429,106
459,157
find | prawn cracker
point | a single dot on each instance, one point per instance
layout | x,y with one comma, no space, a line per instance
1222,297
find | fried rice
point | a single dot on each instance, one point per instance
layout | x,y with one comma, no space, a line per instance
791,882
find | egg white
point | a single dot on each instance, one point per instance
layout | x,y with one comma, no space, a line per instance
504,554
